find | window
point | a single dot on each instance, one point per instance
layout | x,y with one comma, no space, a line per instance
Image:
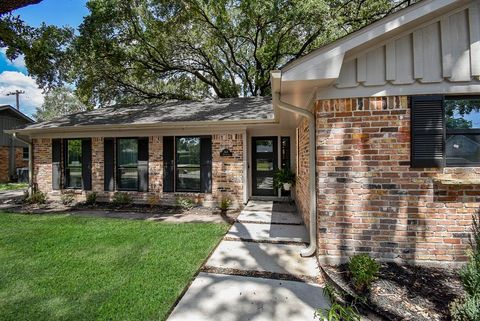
25,153
127,164
462,122
73,163
187,164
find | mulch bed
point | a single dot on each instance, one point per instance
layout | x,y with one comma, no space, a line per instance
405,292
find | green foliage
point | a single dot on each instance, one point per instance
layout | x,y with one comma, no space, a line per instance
225,203
67,199
36,197
284,175
59,102
12,186
363,270
91,198
468,308
185,202
122,199
337,311
153,200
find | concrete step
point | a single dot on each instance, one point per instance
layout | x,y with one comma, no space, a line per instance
269,217
217,297
254,205
263,257
272,233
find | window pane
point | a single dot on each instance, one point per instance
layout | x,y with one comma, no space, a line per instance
188,179
127,152
128,178
25,153
462,149
264,146
264,165
73,170
462,113
264,182
188,151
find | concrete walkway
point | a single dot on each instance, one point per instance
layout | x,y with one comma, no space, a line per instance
256,273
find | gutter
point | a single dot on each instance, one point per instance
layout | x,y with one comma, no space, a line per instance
310,250
30,162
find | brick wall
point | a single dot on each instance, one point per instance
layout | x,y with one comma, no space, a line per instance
227,172
371,201
4,176
301,190
19,161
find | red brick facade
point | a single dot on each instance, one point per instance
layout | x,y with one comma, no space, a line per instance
227,172
4,162
369,199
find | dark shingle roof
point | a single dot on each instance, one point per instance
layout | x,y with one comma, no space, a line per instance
231,109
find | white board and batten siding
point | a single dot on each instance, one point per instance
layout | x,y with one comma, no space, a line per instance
439,56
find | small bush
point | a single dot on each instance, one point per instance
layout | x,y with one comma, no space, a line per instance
185,203
122,199
225,204
337,310
36,198
67,199
91,198
468,308
153,200
363,270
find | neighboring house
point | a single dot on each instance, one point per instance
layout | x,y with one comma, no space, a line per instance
13,153
361,121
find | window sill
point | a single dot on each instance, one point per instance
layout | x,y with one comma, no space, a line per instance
456,181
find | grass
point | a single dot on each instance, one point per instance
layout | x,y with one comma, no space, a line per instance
12,186
60,267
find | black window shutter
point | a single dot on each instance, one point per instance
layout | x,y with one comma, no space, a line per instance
206,164
428,132
87,164
143,164
56,164
168,164
108,164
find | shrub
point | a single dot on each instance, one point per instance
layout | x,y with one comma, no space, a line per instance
67,199
363,270
36,198
225,203
468,308
122,199
153,200
91,198
184,202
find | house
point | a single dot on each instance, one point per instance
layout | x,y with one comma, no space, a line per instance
362,122
13,153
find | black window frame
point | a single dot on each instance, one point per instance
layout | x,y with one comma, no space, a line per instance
117,167
175,139
66,167
27,152
460,131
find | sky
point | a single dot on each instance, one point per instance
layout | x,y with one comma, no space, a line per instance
13,74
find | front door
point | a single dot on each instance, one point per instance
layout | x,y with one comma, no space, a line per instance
264,165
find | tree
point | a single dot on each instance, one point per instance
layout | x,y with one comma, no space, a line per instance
131,50
58,102
10,5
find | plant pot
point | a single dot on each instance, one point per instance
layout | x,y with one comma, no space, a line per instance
287,186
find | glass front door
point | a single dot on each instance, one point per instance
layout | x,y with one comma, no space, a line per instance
264,165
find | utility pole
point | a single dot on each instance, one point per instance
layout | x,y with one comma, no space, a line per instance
17,94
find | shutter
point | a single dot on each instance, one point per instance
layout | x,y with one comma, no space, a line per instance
56,164
87,164
206,164
143,164
168,164
428,132
108,164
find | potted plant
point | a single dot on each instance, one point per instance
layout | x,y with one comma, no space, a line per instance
284,178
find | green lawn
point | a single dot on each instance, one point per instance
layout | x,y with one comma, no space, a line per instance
59,267
12,186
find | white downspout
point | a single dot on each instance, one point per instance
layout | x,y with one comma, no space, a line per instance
310,250
30,163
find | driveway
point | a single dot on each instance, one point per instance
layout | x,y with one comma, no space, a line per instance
256,273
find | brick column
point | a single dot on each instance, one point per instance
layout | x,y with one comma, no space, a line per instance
155,165
42,159
97,165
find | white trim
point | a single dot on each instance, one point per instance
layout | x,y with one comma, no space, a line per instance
245,168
